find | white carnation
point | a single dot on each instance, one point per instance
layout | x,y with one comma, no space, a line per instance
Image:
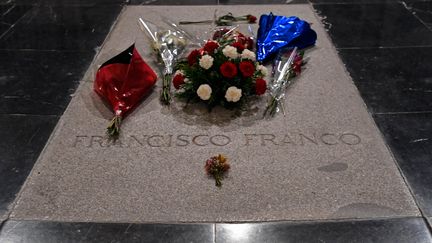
246,54
206,61
204,91
186,80
179,72
230,52
233,94
262,69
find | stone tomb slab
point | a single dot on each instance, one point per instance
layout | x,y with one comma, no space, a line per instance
324,160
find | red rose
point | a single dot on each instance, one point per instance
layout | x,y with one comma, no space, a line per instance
251,19
193,56
178,80
228,69
240,47
249,43
219,33
247,68
260,86
298,62
210,47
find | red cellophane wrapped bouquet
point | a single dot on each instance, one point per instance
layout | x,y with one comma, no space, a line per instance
123,81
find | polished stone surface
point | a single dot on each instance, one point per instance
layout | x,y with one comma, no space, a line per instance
410,138
9,14
373,25
23,137
383,231
423,11
40,82
350,1
262,2
404,74
396,127
64,2
143,178
173,2
61,28
47,232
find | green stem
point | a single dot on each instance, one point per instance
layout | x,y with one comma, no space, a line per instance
271,107
113,128
196,22
218,179
166,89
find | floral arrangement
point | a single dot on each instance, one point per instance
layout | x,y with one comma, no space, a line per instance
168,45
287,66
224,72
216,167
123,81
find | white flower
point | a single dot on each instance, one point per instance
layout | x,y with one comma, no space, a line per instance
233,94
186,80
204,91
206,61
246,54
230,52
262,69
179,72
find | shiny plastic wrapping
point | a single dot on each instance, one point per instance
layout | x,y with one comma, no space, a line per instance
123,81
277,32
168,44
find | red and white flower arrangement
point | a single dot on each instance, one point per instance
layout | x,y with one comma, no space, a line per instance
224,72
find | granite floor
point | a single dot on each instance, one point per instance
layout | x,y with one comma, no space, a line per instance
47,46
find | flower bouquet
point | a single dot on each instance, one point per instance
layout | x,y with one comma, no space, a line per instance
168,44
223,72
287,66
123,81
216,167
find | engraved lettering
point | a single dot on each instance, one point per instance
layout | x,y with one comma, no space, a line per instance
287,140
249,138
303,137
194,140
329,139
78,139
137,140
96,139
150,141
116,143
350,138
268,137
169,140
184,139
220,142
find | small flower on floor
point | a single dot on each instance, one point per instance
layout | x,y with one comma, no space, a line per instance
216,166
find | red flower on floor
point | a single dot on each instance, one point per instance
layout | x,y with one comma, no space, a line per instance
251,19
193,57
228,69
178,80
247,68
240,47
297,65
260,86
219,33
210,47
216,166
